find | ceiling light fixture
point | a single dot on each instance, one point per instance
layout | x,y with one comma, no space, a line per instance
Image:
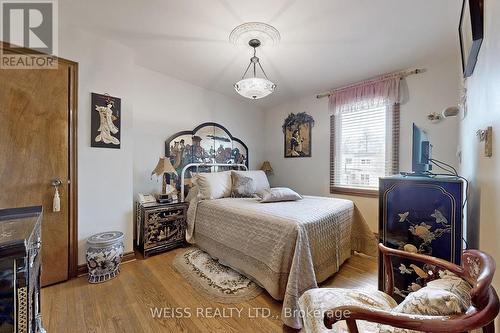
254,87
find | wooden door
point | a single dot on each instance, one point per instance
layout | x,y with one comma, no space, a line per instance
35,142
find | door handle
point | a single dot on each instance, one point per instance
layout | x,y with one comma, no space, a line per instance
56,202
56,182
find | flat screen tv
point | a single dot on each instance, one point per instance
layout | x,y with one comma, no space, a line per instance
421,151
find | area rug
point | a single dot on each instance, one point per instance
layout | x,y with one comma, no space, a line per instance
214,280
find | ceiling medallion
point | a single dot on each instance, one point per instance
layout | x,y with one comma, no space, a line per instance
254,87
265,33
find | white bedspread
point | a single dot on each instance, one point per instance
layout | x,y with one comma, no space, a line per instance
286,247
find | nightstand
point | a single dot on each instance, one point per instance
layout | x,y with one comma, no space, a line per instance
160,226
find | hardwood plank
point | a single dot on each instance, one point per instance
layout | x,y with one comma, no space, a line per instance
124,304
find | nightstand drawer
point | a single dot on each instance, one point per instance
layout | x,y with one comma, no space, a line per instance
163,233
164,215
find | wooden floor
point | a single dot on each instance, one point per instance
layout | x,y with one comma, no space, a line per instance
124,304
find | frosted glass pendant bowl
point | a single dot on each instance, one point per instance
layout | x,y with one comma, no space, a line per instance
254,87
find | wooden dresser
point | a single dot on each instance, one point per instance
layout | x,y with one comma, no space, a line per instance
20,243
160,227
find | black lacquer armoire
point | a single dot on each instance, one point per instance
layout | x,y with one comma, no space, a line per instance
20,251
421,215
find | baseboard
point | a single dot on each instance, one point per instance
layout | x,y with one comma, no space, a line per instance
83,269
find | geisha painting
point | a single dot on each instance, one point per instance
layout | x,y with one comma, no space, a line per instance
297,133
105,121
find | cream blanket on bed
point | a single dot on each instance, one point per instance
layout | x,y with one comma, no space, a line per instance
286,247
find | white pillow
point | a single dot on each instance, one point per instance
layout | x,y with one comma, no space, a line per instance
259,178
277,194
214,185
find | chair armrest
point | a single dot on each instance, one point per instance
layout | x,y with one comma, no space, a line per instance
480,281
401,320
386,251
472,319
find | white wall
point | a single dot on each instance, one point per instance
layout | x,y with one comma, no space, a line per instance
427,92
154,107
165,106
104,175
483,100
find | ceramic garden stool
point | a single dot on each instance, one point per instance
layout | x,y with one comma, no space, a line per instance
104,255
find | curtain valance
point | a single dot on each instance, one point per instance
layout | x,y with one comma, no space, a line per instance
370,94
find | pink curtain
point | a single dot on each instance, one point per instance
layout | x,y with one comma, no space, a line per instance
370,94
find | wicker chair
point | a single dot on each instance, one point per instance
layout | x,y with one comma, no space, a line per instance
477,268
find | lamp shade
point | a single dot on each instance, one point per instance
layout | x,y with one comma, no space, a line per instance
266,167
164,166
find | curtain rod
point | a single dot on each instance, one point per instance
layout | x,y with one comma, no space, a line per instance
401,74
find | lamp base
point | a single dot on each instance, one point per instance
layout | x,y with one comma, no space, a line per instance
163,198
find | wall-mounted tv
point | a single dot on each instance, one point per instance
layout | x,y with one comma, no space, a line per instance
421,151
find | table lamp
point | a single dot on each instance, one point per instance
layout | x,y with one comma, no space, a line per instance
266,167
163,168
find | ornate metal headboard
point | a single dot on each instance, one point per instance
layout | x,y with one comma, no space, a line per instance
208,143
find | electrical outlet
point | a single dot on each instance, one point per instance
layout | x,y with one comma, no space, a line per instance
486,136
488,143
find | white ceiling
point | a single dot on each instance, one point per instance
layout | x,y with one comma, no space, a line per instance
324,43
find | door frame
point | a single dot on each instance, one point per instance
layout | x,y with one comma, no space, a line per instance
73,155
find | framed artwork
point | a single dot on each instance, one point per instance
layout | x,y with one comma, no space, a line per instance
297,130
471,31
105,121
207,143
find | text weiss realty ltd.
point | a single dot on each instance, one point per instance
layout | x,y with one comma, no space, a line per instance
209,312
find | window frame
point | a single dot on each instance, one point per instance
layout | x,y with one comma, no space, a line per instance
361,192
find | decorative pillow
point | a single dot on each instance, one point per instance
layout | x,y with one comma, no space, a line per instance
430,302
446,296
277,194
454,284
243,187
193,190
193,193
259,177
214,185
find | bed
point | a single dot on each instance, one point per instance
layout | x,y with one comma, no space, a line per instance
286,247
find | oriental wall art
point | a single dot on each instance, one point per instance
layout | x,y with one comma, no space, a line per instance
297,133
105,121
207,143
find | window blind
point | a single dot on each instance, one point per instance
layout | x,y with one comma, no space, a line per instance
364,146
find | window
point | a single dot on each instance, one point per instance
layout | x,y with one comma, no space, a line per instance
365,179
364,146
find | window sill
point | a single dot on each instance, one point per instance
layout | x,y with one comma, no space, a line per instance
357,192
